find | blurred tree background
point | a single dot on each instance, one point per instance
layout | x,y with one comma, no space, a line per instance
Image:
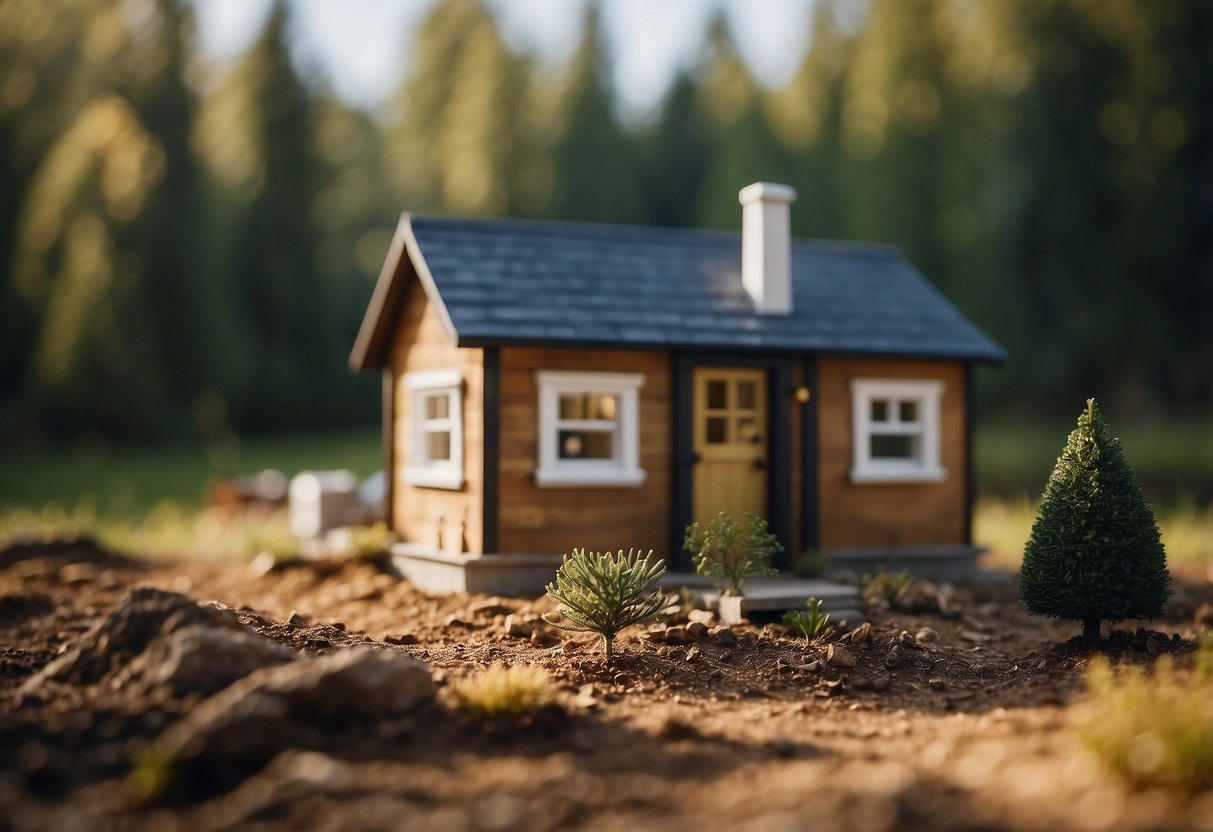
187,253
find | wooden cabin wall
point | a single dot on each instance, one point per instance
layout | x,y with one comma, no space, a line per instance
889,514
446,519
557,519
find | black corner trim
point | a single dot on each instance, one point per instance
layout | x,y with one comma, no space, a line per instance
490,452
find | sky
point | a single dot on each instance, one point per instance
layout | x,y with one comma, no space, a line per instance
361,46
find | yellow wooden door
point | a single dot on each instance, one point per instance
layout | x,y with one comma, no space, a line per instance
730,425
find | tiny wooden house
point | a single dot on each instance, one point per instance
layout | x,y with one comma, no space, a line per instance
557,385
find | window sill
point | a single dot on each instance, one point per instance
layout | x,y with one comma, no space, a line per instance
448,479
617,478
896,475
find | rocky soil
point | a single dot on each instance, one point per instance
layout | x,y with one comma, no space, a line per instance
161,695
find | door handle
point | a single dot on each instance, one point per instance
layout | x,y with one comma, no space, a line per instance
760,464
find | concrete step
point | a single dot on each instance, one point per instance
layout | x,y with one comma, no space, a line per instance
770,595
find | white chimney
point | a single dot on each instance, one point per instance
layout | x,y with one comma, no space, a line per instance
765,255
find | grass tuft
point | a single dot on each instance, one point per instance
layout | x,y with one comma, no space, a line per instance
1154,729
502,692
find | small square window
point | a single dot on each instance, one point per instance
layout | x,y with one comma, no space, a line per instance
896,430
718,430
588,429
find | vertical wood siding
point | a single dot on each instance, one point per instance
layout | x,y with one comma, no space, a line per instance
434,516
895,514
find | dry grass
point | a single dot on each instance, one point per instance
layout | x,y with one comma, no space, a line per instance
504,692
1004,525
1154,729
169,529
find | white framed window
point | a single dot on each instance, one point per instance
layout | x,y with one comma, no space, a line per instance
589,428
436,429
896,430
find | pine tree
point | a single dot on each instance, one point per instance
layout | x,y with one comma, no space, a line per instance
1094,553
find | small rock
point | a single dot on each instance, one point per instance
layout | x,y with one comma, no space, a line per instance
1044,664
927,635
697,630
262,565
338,625
936,684
1204,616
905,639
724,636
403,638
297,619
78,573
678,635
839,656
519,626
671,728
692,654
491,606
861,634
568,647
974,636
621,679
893,659
704,617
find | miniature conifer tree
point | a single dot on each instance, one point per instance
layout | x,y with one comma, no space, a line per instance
1094,553
603,593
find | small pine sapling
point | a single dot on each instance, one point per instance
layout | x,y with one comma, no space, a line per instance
1094,553
730,552
815,624
603,593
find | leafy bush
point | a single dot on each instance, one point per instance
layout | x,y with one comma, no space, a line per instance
504,692
603,593
731,553
890,588
1094,553
369,542
1156,730
811,563
814,624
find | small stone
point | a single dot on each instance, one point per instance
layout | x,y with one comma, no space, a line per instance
905,639
697,630
678,635
861,634
491,606
456,621
671,728
1204,616
839,656
79,573
519,626
403,638
936,684
692,654
725,637
1044,664
569,647
704,617
927,635
621,679
893,659
297,619
974,636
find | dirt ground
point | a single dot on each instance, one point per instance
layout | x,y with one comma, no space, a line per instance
965,729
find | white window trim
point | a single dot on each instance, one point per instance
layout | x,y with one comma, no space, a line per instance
419,470
926,468
624,469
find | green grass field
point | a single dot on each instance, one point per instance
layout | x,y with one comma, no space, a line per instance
148,498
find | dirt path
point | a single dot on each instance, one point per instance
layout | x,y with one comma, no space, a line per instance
967,728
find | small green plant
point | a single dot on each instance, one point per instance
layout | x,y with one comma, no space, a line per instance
811,563
369,542
891,588
502,692
1094,553
731,553
1157,729
815,624
603,593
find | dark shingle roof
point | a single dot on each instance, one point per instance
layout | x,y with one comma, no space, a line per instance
513,281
